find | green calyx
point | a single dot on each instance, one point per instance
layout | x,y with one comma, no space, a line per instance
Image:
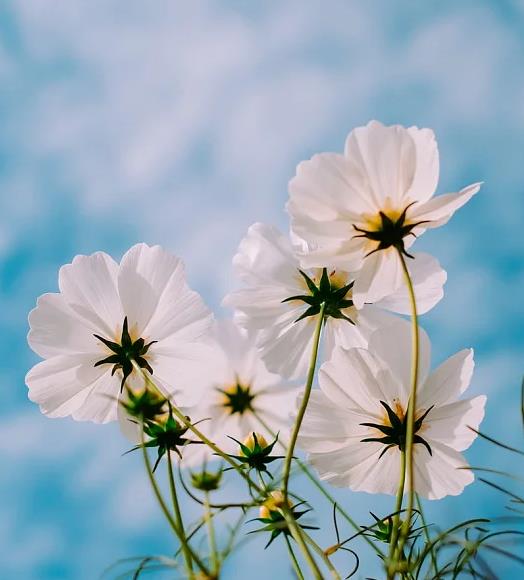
206,480
391,232
257,456
276,524
334,298
166,435
125,354
238,400
395,432
144,404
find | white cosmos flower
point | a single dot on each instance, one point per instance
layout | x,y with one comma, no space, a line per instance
73,330
358,385
269,266
353,209
242,396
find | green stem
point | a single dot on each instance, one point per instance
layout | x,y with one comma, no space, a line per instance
182,418
320,487
412,405
297,534
426,535
323,555
178,516
161,501
392,563
305,400
211,534
293,558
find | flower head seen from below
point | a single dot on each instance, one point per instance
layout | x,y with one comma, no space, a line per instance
241,396
358,209
109,321
355,426
280,301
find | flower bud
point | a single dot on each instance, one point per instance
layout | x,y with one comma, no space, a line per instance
206,480
274,501
251,441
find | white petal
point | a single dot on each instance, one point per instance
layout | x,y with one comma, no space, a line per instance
426,175
157,299
266,255
448,381
89,287
72,385
355,380
392,344
428,279
454,424
385,159
438,210
57,330
380,276
440,475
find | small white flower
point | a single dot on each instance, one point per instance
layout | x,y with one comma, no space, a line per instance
355,422
242,396
269,266
106,315
356,209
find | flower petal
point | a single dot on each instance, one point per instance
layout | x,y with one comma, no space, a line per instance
454,424
72,385
440,474
448,381
428,279
380,276
438,210
89,286
58,330
392,344
425,178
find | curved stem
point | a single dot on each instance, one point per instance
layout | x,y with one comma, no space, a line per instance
161,501
305,400
412,405
211,534
426,535
396,518
323,555
178,516
182,418
293,559
298,536
305,469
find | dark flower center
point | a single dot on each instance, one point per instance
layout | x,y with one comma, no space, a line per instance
125,353
395,432
332,296
238,399
390,233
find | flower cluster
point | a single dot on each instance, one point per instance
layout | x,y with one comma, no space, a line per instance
132,341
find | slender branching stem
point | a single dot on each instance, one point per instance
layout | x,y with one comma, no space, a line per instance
434,562
178,516
412,406
293,559
305,400
396,518
298,535
323,555
211,536
162,503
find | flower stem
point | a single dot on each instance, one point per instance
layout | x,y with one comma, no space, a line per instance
162,503
426,535
305,469
392,562
412,405
293,559
298,536
323,555
178,516
182,418
211,535
305,400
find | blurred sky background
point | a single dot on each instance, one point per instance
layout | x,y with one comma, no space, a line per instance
180,123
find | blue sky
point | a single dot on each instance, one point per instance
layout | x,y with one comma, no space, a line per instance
180,123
